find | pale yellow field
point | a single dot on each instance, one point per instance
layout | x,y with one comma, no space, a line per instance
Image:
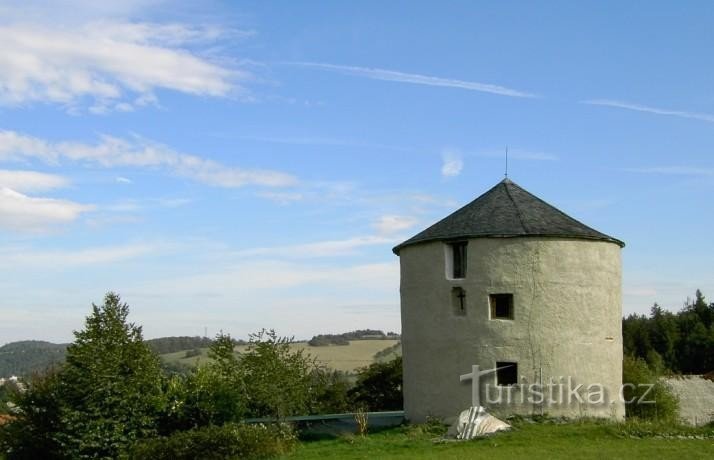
346,358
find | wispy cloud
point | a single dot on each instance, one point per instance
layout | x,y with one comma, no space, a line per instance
282,198
33,258
30,181
417,79
113,65
674,170
123,180
20,212
138,152
314,140
451,163
388,225
330,248
647,109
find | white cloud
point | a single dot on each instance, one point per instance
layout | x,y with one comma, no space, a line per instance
14,257
123,180
21,212
657,111
319,249
30,181
393,224
174,202
111,65
301,298
452,164
391,75
138,152
282,198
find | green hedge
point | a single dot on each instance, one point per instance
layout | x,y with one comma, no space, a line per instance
230,441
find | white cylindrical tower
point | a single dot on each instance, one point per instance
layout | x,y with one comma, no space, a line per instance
529,295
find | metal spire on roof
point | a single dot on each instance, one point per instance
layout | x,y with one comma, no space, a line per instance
506,175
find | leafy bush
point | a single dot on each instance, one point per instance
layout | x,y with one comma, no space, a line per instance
268,380
379,386
277,379
330,392
192,353
230,441
212,394
646,396
33,434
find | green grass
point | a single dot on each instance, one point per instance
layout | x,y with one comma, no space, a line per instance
577,440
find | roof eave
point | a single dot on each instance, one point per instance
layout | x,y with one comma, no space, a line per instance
607,239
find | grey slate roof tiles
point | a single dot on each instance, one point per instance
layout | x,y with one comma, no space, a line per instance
507,210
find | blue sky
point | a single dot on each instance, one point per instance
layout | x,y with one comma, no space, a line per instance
238,165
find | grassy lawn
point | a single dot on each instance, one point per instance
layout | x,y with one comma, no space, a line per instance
579,440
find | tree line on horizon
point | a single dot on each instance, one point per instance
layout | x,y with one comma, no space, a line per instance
678,343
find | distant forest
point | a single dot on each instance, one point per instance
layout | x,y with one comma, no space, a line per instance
681,342
29,356
344,339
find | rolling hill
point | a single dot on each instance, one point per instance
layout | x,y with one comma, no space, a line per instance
179,354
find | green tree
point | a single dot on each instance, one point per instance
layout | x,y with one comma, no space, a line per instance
111,385
645,395
329,392
107,395
680,342
212,394
278,380
379,386
664,336
33,434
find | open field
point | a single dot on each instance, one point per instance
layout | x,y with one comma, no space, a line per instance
347,358
581,440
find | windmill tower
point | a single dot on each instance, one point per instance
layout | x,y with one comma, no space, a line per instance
510,282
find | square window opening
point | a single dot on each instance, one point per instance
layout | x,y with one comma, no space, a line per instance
506,373
501,306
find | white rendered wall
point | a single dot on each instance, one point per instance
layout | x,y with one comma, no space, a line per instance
567,323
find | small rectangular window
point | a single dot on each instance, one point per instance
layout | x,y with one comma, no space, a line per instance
501,306
458,259
506,373
458,301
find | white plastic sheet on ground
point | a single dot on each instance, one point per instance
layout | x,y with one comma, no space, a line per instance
475,422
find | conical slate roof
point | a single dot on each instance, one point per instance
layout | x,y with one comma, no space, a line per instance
507,210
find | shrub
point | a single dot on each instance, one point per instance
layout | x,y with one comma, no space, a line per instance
329,392
277,379
230,441
212,394
379,386
192,353
32,434
646,396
